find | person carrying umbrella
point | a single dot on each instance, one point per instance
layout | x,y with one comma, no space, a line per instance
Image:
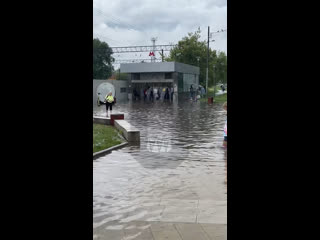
109,101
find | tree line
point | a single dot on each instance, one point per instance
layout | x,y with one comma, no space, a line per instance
102,60
190,50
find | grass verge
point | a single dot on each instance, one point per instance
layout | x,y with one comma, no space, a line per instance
104,137
218,99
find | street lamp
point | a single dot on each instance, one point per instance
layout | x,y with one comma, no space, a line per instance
198,58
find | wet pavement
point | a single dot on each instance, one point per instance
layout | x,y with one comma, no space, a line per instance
174,180
220,92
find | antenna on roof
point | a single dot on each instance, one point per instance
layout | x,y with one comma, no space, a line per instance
153,48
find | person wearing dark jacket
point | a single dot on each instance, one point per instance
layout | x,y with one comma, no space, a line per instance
166,96
151,94
191,92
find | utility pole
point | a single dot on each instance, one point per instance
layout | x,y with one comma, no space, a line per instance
153,48
207,63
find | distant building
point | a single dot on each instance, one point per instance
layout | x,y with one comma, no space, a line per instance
180,76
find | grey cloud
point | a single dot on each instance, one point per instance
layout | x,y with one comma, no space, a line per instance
143,15
167,19
216,3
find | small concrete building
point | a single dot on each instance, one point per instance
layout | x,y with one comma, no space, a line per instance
161,75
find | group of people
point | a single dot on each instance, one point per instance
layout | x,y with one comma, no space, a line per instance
109,100
150,93
196,93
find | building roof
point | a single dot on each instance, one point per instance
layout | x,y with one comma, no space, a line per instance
158,67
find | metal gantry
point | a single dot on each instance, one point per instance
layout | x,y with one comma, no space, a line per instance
135,60
151,48
142,48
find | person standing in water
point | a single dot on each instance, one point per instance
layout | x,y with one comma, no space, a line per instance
225,141
203,92
225,128
163,95
109,101
159,93
191,92
171,93
145,94
151,94
155,93
166,95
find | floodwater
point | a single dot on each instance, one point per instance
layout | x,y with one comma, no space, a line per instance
177,172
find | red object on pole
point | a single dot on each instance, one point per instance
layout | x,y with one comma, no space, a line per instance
151,54
210,99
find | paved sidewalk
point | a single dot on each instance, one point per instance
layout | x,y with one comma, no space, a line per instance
143,230
220,92
170,219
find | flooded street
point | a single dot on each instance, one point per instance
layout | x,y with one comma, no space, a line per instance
176,174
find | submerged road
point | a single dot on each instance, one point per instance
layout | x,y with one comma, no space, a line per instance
172,184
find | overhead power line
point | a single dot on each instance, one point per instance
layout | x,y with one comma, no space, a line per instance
219,31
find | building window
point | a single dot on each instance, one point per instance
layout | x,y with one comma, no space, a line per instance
168,76
122,90
135,76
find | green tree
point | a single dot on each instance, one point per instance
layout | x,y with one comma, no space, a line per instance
190,50
102,60
221,68
121,76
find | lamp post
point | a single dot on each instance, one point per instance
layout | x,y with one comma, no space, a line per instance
198,58
207,63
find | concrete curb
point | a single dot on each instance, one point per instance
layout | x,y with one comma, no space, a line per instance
102,120
129,132
108,150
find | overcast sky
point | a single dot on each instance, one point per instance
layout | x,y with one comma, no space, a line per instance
135,22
